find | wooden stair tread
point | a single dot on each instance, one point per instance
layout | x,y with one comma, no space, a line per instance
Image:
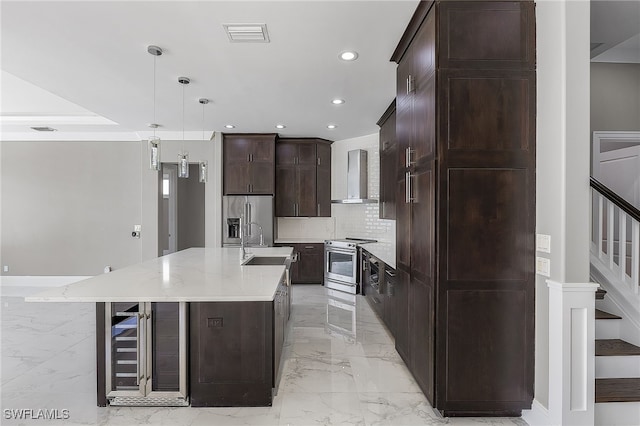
600,293
615,347
618,390
605,315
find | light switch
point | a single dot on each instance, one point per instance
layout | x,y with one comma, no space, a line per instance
137,228
543,243
6,268
543,266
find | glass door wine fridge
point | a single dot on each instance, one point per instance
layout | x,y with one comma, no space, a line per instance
146,353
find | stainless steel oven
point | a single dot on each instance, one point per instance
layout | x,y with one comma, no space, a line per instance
341,264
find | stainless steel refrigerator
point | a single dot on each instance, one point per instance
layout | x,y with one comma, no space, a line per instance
257,214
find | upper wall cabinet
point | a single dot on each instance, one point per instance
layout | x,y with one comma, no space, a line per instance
249,164
388,162
303,177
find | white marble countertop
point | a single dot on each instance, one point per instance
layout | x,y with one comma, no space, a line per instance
192,275
384,251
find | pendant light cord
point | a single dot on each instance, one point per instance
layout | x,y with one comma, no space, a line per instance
154,96
183,119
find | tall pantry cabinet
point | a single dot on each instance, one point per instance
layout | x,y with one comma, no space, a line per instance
465,203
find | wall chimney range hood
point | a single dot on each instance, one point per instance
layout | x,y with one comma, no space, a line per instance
356,179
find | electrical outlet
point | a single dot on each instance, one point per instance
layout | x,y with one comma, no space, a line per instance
543,266
543,243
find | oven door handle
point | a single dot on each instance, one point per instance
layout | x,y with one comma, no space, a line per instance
341,251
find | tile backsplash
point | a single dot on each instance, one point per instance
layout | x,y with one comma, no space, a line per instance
309,228
347,220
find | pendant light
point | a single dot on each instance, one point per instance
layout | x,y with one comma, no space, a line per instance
183,157
204,165
153,143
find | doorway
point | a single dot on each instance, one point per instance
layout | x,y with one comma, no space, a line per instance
181,210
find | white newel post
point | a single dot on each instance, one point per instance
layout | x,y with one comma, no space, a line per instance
571,353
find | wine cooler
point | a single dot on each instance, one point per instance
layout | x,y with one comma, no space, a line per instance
146,353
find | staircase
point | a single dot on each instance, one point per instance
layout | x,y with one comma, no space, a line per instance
617,371
615,264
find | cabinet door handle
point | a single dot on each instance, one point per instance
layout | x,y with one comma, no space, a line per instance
410,84
388,272
248,187
407,188
318,209
408,152
309,247
318,161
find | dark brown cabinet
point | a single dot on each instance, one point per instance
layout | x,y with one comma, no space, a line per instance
465,204
248,164
323,178
388,163
390,299
372,281
309,265
301,164
231,353
235,350
281,309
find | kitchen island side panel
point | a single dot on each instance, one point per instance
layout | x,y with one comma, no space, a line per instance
231,354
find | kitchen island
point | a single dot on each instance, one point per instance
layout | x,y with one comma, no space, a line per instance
198,326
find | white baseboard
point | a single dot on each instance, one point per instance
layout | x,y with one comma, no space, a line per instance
537,416
39,281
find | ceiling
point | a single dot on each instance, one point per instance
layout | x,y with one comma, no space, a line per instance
91,60
82,67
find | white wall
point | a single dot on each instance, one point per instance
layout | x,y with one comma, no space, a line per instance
562,178
615,101
68,208
358,220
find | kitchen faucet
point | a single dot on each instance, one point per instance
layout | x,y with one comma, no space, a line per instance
246,229
243,252
259,228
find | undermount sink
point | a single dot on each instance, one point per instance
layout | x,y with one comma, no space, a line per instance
266,260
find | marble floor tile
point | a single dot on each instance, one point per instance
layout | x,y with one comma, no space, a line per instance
340,368
391,409
321,409
316,375
382,375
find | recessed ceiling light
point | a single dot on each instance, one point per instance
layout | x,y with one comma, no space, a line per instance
331,126
230,126
337,101
280,126
348,55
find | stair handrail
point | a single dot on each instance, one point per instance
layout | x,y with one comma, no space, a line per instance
609,255
623,204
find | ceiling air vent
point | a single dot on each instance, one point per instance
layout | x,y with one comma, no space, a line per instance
44,129
247,33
